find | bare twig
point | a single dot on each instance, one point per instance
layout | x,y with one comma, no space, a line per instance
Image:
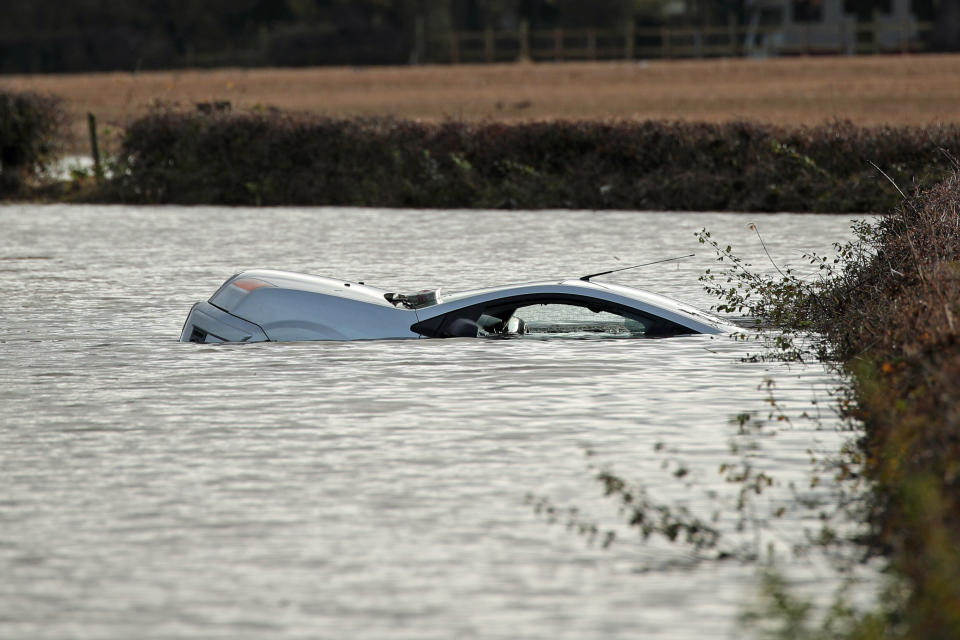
756,230
953,160
883,173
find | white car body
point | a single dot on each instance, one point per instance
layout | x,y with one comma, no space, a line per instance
267,305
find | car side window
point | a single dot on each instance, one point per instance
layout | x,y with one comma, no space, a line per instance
551,315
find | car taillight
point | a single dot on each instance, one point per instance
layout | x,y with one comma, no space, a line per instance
249,284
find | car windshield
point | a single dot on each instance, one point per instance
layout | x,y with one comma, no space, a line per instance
568,320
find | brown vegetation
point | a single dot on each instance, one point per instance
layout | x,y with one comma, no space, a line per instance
898,329
888,311
896,90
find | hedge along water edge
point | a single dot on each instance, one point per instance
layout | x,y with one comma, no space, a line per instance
30,126
278,158
887,310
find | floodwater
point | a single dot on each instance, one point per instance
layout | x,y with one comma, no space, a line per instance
381,489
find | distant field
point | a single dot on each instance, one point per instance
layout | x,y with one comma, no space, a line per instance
913,90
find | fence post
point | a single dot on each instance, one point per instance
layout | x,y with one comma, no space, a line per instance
489,53
419,44
524,40
630,41
591,44
732,33
664,43
454,48
558,44
94,146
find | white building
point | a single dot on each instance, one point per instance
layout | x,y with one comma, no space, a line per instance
774,29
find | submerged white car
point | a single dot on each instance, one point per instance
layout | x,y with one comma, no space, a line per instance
262,305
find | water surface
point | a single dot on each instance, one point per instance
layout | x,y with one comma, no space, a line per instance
154,489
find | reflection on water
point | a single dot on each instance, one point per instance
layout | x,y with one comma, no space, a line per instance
371,489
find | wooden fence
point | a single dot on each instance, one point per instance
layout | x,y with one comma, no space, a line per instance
630,43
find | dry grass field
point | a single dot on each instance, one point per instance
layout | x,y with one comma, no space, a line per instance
915,90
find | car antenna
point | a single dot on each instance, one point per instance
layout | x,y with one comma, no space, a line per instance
645,264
